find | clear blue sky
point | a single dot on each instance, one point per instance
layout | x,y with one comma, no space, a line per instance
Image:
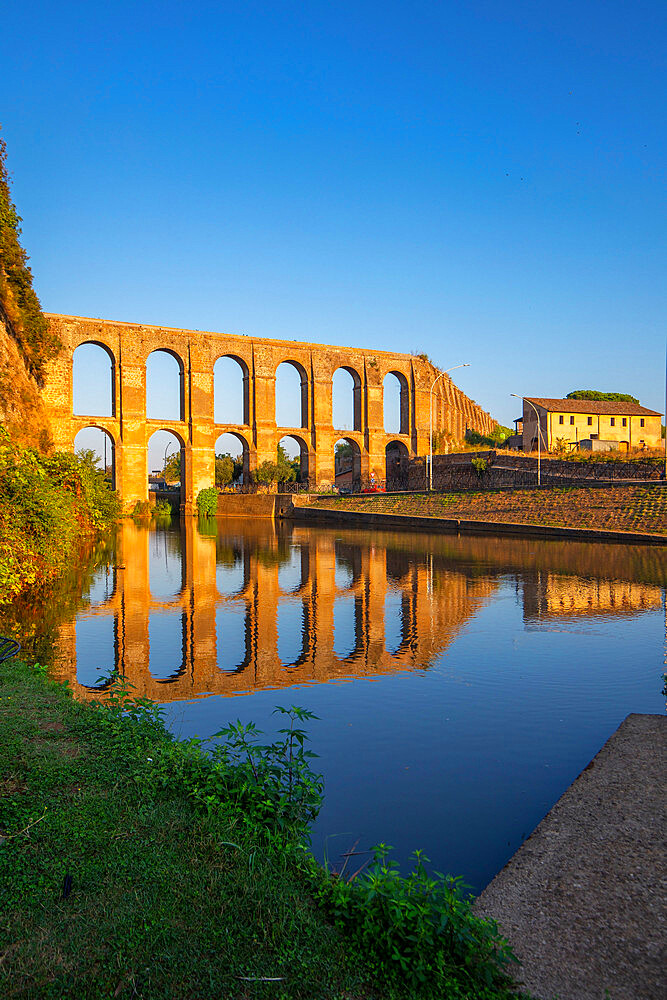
481,181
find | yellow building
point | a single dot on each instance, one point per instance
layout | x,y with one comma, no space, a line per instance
626,425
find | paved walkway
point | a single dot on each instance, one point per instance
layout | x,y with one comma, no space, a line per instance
584,900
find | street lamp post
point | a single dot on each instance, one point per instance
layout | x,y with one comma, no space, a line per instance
539,433
430,429
164,464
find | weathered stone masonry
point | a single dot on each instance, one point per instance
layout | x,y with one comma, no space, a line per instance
129,346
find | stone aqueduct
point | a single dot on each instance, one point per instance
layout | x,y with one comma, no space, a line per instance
129,346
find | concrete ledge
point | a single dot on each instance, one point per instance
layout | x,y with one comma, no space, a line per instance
408,522
583,901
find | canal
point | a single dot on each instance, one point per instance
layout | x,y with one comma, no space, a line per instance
461,684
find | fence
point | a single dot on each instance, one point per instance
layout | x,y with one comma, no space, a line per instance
377,485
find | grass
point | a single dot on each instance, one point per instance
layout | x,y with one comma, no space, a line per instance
620,508
166,899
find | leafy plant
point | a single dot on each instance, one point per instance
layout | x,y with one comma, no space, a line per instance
420,928
172,467
122,703
272,784
162,509
37,343
496,437
480,465
142,508
46,504
207,502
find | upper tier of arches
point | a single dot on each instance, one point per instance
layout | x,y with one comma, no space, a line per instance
95,388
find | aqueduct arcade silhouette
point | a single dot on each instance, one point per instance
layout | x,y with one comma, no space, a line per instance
129,346
224,609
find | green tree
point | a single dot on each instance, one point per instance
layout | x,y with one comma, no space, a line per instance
17,296
604,397
224,470
493,439
172,467
287,469
266,473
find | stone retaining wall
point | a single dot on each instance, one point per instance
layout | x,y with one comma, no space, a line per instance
457,472
253,505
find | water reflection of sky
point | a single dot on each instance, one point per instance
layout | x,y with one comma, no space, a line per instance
165,639
460,754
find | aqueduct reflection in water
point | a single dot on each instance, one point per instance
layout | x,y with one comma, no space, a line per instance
185,614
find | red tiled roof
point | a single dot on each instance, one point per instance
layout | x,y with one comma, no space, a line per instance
593,406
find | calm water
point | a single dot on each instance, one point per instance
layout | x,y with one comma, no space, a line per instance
461,684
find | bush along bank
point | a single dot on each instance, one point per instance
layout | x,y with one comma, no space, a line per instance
134,864
47,504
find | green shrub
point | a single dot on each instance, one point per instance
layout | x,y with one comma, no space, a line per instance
418,928
480,465
494,439
162,509
46,504
270,784
225,469
142,508
207,502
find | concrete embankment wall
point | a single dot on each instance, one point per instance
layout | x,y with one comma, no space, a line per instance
581,900
253,505
409,522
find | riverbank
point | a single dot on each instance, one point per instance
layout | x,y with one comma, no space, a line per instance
126,871
584,898
625,514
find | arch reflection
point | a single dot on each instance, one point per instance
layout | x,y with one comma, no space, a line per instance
255,607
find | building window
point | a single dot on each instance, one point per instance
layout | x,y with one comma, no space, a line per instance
641,422
590,421
613,421
571,420
560,420
625,421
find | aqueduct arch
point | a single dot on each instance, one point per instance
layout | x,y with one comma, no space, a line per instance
129,346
